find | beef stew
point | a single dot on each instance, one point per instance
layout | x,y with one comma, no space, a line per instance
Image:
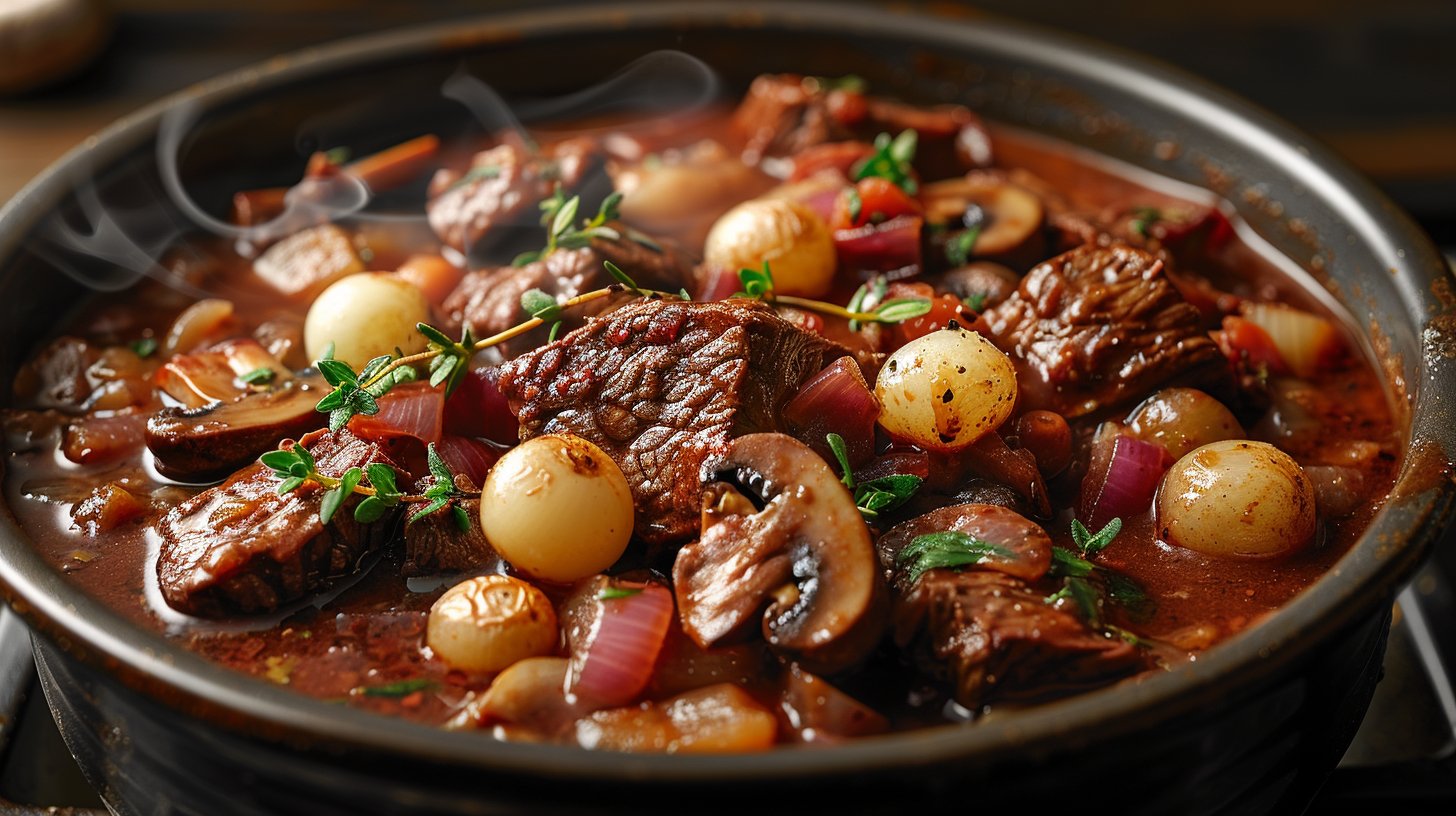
992,557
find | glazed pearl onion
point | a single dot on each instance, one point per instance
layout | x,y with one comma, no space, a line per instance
1181,419
557,508
364,316
946,389
487,623
1236,498
788,235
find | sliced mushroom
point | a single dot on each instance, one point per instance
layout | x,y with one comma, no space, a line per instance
200,444
795,544
1008,215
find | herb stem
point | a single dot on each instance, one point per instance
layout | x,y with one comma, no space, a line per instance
498,338
824,308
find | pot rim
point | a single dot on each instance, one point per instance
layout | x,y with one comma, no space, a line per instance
1368,574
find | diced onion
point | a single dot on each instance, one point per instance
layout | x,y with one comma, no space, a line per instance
414,409
1132,478
615,663
886,247
1308,343
836,400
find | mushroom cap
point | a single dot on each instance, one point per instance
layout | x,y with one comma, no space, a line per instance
783,535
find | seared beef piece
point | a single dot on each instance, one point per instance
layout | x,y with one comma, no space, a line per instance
435,544
783,114
997,639
489,300
1101,325
200,444
659,385
474,211
240,548
304,263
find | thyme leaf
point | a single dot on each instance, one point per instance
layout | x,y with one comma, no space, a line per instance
144,347
612,593
891,160
948,548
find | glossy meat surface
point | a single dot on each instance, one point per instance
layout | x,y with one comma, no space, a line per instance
660,385
242,548
1100,326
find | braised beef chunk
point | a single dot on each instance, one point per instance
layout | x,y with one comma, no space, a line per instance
240,547
783,114
661,384
198,444
1099,326
997,639
489,300
435,544
474,210
501,188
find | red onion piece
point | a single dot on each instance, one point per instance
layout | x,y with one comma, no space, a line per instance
1133,474
893,245
836,400
471,457
617,660
478,408
413,409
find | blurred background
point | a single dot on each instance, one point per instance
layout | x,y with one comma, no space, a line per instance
1375,81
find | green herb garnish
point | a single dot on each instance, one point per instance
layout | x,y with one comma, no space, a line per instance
558,216
612,593
400,688
976,301
948,548
891,160
1144,217
758,284
849,82
442,492
144,347
958,249
258,376
876,495
296,466
337,156
1090,585
856,204
474,174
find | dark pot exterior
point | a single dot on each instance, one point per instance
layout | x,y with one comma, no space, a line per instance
1253,726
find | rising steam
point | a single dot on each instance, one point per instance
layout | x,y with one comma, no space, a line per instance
116,246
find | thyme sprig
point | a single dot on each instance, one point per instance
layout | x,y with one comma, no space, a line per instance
375,483
892,161
1091,586
758,284
875,495
558,215
443,492
947,548
1143,218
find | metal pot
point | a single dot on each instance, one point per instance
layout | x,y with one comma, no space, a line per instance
1255,725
